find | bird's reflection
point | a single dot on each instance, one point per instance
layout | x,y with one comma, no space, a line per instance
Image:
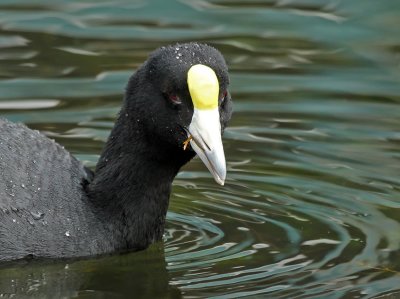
134,275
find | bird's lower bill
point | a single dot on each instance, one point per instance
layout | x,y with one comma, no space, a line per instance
206,141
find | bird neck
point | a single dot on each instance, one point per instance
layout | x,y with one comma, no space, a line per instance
132,183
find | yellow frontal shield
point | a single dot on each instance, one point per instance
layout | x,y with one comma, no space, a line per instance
203,87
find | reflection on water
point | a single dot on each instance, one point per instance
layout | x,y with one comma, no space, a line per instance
311,203
112,277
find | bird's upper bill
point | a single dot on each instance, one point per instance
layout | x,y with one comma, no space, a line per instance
205,127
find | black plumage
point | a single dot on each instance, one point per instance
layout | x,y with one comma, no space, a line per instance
51,206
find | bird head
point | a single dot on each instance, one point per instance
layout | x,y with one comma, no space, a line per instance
189,104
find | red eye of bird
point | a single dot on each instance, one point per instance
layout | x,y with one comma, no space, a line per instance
224,94
174,99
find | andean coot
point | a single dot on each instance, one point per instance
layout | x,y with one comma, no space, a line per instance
51,206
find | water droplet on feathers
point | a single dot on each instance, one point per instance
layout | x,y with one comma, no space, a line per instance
37,215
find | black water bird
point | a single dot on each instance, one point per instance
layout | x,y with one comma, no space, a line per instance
176,104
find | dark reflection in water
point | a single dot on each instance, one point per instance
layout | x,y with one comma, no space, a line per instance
119,276
311,207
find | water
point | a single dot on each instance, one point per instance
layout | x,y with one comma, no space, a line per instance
311,206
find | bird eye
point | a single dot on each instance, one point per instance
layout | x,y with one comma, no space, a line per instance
223,96
174,99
